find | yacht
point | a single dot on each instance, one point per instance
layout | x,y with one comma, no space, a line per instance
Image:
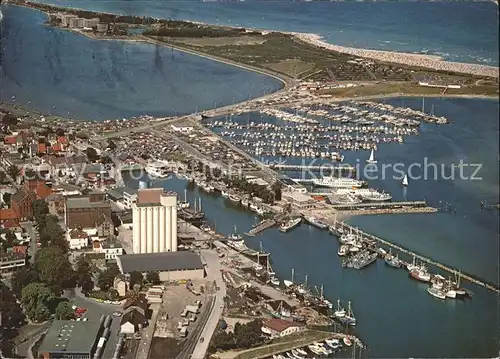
371,160
234,198
393,261
338,182
333,343
290,224
347,341
316,222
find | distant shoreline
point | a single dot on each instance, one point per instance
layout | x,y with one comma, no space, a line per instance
433,62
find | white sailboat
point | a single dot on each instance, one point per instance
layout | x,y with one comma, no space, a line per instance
289,283
404,182
372,159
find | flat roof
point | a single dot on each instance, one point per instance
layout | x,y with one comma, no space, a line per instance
161,262
84,202
70,337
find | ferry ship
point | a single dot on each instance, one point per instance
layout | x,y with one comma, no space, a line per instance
336,182
316,222
156,170
290,224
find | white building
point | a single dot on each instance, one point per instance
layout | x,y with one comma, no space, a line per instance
77,238
154,219
277,328
183,129
129,198
111,250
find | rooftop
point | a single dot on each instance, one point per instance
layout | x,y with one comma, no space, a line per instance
84,202
279,325
166,261
152,196
70,337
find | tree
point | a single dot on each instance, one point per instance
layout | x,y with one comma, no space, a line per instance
54,269
136,278
86,284
36,299
6,198
64,311
12,319
153,277
91,154
14,172
105,280
9,241
59,132
21,278
51,233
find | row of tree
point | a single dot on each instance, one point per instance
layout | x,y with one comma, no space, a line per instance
244,336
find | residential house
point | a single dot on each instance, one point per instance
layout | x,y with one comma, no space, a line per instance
111,249
132,321
77,238
120,284
276,327
105,226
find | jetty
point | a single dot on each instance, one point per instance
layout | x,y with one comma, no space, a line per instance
266,224
373,205
370,238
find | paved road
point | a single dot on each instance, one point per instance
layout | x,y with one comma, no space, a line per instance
144,345
213,273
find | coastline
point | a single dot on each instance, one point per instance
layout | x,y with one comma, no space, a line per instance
433,62
403,58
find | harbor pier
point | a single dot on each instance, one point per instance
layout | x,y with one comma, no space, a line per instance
370,238
266,224
345,168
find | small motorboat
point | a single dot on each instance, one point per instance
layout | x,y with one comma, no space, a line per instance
347,341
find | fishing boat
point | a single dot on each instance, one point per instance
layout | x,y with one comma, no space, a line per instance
349,317
436,292
289,283
183,204
333,343
347,341
339,311
420,274
393,261
290,224
316,222
322,301
371,160
404,182
234,198
343,250
235,236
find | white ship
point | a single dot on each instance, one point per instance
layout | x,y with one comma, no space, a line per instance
156,170
336,182
372,195
291,224
316,222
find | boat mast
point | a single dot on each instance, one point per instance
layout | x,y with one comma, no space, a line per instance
293,274
423,104
185,196
305,281
199,204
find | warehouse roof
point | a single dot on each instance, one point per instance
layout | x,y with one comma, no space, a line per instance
70,337
165,261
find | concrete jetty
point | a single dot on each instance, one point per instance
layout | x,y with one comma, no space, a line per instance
265,224
371,238
313,168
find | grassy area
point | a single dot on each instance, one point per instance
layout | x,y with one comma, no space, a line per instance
283,344
409,89
220,41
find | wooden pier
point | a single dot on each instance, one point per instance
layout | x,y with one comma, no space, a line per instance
326,167
371,238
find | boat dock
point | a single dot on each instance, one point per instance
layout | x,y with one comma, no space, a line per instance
265,224
326,167
371,238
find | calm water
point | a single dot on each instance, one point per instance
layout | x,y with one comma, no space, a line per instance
62,73
396,315
458,31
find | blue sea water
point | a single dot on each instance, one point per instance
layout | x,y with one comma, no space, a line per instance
396,316
66,74
464,31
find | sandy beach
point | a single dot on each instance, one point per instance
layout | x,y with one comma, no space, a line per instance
429,61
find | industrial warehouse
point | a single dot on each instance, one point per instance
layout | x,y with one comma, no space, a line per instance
171,266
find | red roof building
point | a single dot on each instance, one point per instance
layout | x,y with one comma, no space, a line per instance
7,214
63,140
10,140
42,148
279,327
